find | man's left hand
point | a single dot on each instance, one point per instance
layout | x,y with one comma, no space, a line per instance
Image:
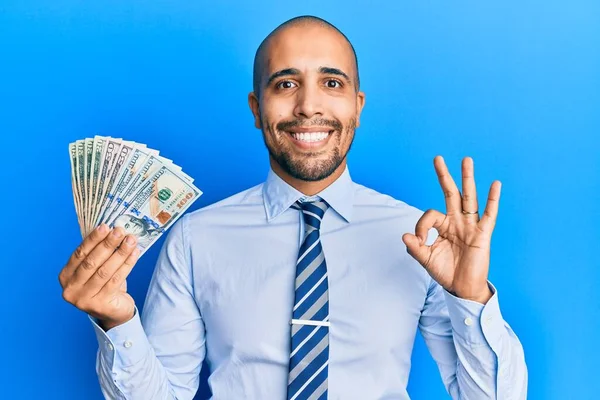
459,259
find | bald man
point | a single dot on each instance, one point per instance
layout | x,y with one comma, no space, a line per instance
309,285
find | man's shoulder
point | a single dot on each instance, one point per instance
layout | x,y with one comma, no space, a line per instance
368,197
398,216
252,196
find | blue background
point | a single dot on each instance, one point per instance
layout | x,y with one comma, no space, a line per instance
515,85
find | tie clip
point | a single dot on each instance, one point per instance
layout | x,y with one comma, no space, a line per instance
309,322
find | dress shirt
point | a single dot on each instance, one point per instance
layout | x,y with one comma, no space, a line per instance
223,290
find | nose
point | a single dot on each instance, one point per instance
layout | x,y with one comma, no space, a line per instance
308,102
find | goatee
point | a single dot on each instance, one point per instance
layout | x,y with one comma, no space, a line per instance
314,171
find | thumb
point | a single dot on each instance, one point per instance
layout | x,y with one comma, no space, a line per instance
418,251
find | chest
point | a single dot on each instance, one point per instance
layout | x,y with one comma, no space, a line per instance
244,288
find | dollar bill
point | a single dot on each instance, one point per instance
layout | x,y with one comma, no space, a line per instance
136,159
80,163
123,183
97,152
110,154
122,156
75,184
158,203
87,163
151,164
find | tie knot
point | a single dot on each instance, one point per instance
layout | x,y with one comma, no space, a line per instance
313,211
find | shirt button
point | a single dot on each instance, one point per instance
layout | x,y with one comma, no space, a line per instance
110,347
468,321
127,344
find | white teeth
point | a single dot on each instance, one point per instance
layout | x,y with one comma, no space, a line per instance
310,136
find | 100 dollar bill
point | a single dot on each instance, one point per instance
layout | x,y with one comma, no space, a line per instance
123,183
136,158
111,152
158,203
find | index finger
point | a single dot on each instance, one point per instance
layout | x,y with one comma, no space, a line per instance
451,193
82,251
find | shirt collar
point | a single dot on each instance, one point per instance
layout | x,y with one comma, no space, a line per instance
278,195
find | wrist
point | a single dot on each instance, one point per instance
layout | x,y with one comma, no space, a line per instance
481,296
483,299
108,324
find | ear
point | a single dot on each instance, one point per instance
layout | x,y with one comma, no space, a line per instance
360,103
255,108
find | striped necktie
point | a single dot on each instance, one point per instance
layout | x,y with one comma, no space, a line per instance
309,355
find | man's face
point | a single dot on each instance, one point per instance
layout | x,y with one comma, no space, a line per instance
309,106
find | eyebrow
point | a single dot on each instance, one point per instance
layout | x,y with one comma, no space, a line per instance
295,72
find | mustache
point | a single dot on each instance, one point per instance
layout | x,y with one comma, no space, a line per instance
287,125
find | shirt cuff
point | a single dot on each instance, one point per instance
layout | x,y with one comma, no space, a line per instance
123,345
476,323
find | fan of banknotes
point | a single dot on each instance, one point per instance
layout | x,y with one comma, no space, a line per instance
126,184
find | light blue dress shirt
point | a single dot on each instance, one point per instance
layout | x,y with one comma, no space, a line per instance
223,290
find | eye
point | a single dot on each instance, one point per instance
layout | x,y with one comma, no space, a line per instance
331,83
284,85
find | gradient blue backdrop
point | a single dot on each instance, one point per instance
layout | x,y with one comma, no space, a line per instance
514,85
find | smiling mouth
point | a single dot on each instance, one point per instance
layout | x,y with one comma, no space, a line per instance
310,137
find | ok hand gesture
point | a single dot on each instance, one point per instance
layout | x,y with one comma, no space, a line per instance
459,258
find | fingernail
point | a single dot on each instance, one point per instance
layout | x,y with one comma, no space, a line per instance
130,240
117,233
102,228
136,252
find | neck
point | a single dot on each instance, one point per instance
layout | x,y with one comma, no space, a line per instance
308,188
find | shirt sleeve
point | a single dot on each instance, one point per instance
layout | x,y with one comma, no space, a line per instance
158,354
478,354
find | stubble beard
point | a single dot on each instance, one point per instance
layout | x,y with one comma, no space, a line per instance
303,167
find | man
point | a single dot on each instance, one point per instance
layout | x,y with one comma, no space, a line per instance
307,286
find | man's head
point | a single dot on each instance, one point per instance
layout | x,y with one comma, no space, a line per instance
306,97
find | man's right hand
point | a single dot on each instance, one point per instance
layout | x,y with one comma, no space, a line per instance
94,279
